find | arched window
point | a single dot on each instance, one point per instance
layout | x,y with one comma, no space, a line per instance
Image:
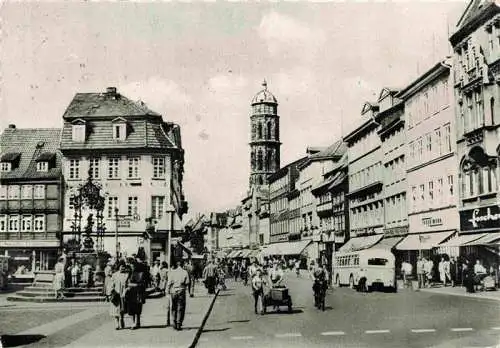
259,131
269,161
492,110
259,160
252,160
254,130
276,131
260,180
269,129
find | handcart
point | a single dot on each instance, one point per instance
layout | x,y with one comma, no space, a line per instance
278,296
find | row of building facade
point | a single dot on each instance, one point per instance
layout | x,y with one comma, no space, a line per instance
114,169
422,168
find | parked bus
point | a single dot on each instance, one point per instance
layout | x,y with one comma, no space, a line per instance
365,269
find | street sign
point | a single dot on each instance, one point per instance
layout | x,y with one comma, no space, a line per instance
123,223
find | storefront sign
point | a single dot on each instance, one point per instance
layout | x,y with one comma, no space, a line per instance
432,221
396,231
480,218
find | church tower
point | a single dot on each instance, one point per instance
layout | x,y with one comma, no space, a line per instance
265,137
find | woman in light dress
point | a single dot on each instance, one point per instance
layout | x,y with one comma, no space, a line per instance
119,286
59,279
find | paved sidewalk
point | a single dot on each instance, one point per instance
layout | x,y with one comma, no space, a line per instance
460,291
153,332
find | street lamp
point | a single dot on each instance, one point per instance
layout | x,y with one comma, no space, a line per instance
169,237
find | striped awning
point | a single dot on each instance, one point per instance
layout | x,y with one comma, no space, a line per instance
486,239
461,240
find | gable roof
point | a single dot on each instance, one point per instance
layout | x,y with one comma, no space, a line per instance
31,144
337,149
367,106
386,91
109,104
473,16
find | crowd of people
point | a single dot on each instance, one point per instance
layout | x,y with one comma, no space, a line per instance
452,271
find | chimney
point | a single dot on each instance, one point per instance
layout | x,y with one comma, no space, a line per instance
111,90
12,126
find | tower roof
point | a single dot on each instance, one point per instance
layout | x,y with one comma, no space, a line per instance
264,96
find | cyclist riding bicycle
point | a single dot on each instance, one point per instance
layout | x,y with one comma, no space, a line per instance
320,284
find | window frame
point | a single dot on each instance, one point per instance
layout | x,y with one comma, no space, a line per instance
38,220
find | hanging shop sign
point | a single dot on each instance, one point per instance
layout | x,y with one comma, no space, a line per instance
480,218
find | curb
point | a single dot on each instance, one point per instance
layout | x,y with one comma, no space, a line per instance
204,321
489,298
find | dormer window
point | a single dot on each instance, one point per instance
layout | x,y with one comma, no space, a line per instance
45,161
78,131
119,128
6,167
9,161
42,166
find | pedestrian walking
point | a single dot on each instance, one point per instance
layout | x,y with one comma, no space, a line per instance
297,268
442,274
108,274
446,269
420,272
119,288
163,277
453,271
58,284
209,276
190,270
178,281
258,292
136,294
155,275
428,269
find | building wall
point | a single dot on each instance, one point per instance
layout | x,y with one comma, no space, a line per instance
432,162
144,187
476,73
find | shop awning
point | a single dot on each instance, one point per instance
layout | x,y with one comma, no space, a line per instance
461,240
245,253
388,243
360,243
425,241
486,239
286,248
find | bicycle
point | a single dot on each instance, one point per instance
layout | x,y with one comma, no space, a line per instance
319,289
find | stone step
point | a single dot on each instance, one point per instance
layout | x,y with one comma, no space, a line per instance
44,299
35,293
83,289
83,294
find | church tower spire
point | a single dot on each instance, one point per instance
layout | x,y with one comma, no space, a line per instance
265,137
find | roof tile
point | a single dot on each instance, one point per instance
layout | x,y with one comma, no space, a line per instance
31,143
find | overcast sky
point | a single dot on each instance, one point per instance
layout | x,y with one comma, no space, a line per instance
200,65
